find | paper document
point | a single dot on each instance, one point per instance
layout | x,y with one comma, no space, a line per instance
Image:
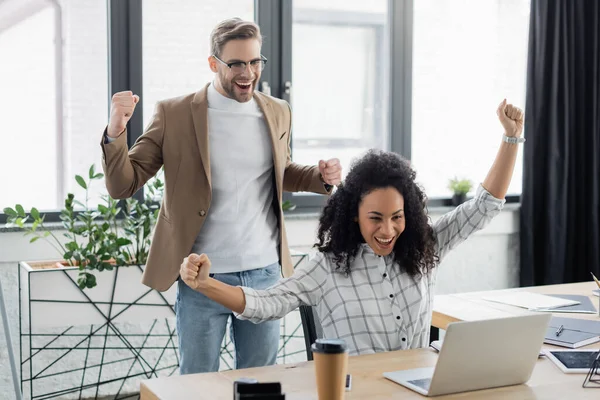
528,300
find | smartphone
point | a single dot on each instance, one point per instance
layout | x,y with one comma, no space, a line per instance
348,382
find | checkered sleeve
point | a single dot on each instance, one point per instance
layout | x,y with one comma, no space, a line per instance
455,227
305,286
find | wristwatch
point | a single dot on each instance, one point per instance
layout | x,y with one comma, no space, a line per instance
512,139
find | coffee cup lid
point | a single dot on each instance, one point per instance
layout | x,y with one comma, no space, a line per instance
329,346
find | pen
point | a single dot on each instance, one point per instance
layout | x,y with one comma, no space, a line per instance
559,330
595,279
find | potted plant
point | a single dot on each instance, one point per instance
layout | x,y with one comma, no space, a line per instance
94,240
100,261
459,188
95,281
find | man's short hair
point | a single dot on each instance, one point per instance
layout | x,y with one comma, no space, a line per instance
232,29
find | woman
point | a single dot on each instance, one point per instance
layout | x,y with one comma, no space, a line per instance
372,281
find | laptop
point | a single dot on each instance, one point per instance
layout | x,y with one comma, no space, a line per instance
480,355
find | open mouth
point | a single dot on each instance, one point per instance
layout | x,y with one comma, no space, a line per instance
244,86
384,242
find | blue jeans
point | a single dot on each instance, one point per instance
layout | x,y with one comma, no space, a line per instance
201,325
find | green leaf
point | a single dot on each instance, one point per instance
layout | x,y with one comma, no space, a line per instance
81,280
98,176
20,210
90,281
33,239
80,181
35,213
92,172
68,255
10,212
92,259
123,241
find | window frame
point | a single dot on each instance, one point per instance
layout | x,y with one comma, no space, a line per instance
124,71
275,20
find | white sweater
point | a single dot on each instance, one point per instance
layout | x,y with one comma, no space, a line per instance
240,231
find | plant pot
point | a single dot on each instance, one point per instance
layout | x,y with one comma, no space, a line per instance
49,295
458,198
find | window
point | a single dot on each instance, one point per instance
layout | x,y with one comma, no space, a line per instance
467,56
331,59
176,45
340,58
54,99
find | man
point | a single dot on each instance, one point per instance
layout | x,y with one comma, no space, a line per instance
226,157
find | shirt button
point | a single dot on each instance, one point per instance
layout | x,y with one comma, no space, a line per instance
398,317
385,275
391,296
202,213
404,339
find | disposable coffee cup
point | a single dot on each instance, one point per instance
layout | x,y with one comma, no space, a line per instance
331,365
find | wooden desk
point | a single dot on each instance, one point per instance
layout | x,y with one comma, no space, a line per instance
547,381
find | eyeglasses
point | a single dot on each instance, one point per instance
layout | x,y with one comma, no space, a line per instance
239,67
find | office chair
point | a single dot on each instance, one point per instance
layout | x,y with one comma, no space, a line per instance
312,328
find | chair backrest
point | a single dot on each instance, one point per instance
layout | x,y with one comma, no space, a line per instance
312,328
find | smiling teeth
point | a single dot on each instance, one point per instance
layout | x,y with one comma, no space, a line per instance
384,241
243,84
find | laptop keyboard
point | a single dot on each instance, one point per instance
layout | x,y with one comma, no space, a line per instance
422,383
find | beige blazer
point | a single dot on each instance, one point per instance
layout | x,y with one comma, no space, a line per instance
177,137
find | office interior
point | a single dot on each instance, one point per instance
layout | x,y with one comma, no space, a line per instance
422,78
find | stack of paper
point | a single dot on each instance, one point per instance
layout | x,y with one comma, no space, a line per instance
528,300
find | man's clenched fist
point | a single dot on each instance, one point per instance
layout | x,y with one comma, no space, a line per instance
194,270
121,110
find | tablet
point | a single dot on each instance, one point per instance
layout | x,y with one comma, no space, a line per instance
573,361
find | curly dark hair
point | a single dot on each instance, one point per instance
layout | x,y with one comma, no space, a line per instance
339,233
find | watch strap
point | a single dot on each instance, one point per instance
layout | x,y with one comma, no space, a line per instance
513,139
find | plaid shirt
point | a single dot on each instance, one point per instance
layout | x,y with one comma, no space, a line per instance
376,307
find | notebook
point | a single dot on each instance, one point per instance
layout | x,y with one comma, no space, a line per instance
529,300
585,305
575,333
